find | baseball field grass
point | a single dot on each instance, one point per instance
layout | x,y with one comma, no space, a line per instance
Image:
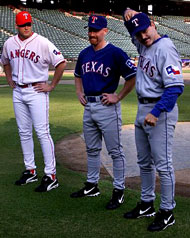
25,213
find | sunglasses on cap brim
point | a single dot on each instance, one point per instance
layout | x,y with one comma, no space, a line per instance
26,24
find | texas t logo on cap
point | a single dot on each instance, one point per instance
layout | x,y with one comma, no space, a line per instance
94,18
25,15
135,21
23,18
97,22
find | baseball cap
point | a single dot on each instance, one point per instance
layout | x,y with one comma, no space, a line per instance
97,22
23,18
137,23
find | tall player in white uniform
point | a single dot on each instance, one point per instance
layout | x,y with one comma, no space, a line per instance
26,58
159,83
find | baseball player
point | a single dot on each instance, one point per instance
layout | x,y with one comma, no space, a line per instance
26,58
159,83
97,75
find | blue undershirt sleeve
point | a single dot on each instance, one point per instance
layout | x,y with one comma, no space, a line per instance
168,100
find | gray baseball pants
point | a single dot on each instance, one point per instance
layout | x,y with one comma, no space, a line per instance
104,121
154,152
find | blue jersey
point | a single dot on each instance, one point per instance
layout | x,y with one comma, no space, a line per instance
100,70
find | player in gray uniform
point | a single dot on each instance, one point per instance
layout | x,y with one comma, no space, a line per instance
97,75
159,82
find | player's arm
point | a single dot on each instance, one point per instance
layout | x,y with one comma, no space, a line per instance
79,91
129,13
166,103
173,81
58,74
45,87
8,73
115,98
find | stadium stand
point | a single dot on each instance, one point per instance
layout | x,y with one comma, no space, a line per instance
67,31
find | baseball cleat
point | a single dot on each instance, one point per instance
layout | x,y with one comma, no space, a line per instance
116,200
90,190
162,220
143,209
28,176
47,184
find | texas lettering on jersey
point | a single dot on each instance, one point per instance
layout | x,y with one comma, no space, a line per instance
94,67
28,54
145,65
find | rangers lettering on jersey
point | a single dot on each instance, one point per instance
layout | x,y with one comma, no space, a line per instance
25,54
145,65
93,67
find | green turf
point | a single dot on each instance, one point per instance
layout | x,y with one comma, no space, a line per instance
24,213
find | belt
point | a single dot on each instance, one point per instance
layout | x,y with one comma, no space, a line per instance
93,98
148,100
28,85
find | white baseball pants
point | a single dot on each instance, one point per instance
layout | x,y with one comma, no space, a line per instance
32,109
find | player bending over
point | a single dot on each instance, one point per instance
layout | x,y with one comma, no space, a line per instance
159,83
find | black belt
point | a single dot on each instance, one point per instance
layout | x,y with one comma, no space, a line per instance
148,100
28,85
93,98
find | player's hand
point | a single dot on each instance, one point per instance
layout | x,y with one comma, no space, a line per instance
12,84
129,13
43,87
150,120
109,98
81,97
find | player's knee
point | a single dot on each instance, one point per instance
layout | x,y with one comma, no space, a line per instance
146,167
93,151
25,135
165,172
116,153
42,135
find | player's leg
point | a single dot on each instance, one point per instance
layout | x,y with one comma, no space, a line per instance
146,164
110,122
145,207
144,155
24,124
39,110
93,140
163,136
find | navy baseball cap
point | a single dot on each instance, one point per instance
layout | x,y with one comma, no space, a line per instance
97,22
137,23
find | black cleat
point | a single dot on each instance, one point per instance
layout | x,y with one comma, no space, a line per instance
47,184
116,200
143,209
90,190
28,176
162,220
